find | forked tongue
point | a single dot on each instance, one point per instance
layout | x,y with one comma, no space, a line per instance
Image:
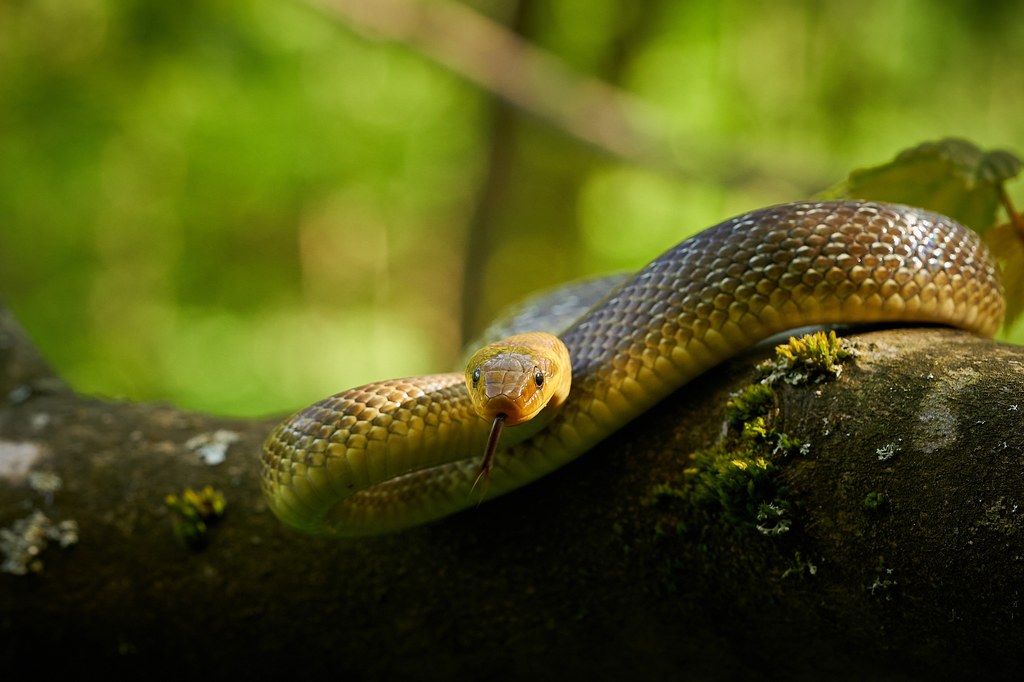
492,447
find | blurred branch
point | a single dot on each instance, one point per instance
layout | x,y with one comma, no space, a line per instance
502,63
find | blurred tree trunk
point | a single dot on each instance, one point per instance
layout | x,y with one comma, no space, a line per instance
526,205
481,237
579,576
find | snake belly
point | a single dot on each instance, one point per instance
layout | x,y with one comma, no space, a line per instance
398,453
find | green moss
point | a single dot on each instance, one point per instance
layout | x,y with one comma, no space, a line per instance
813,358
874,502
756,429
194,513
750,403
740,485
738,480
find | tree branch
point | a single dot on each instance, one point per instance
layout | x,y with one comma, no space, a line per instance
495,59
582,573
615,121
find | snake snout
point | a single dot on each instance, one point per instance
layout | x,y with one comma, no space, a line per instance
505,379
505,407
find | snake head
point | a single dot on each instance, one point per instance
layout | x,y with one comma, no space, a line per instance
519,376
511,381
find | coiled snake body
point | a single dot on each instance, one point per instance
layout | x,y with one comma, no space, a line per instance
397,453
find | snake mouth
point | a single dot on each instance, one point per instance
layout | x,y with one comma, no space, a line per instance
509,410
513,411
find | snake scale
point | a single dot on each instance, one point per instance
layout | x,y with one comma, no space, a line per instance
397,453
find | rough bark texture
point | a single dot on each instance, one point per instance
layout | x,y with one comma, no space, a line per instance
904,561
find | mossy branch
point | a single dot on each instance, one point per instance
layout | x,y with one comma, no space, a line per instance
841,562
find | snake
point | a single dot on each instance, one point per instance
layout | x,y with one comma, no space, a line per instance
403,452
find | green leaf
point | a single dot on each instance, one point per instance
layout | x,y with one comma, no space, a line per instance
952,177
1005,240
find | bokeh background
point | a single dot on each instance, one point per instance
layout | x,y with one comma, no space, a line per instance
243,206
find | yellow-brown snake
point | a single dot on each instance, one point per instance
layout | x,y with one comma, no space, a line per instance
398,453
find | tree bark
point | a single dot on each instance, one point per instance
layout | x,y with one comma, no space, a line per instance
905,558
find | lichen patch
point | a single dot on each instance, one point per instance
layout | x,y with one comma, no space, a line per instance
18,458
936,427
23,542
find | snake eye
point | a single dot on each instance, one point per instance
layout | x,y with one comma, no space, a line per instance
539,379
476,376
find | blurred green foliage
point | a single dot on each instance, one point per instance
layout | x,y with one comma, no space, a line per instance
244,206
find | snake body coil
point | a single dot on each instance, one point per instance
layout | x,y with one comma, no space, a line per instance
397,453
